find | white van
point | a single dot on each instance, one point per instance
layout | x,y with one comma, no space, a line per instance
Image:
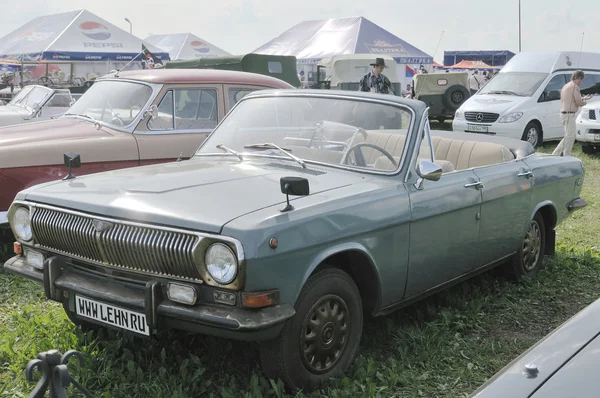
523,100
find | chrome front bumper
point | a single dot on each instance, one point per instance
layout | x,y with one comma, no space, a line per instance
161,313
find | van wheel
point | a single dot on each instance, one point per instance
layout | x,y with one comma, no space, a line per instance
533,134
321,340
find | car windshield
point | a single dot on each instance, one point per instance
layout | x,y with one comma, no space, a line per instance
343,132
30,96
523,84
116,103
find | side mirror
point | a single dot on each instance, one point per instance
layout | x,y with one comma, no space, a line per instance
152,110
427,171
72,102
71,160
296,186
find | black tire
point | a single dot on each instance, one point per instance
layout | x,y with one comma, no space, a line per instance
529,259
533,134
455,96
287,356
6,243
589,149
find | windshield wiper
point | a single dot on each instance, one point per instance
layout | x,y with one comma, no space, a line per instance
268,145
229,150
88,117
504,92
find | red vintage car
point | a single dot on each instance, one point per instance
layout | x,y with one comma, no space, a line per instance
129,119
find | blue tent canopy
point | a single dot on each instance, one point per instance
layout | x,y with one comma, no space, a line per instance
492,58
73,36
311,41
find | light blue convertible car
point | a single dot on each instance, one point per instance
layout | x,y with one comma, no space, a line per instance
300,212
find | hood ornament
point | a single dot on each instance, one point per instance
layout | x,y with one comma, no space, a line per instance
102,226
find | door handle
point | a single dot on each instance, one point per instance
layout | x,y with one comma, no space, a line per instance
527,174
476,185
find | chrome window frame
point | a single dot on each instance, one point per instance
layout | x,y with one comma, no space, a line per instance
150,131
130,128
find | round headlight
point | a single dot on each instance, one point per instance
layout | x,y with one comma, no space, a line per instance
221,263
21,223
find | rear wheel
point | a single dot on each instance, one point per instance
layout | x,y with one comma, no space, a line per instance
533,134
590,149
529,259
322,339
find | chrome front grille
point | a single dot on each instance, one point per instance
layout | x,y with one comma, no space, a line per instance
117,244
481,117
592,114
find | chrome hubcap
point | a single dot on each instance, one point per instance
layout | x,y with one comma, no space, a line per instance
532,245
325,334
532,136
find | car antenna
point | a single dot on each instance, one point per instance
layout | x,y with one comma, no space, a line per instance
127,64
435,52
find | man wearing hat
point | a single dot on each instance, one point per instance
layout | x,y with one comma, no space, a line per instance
375,81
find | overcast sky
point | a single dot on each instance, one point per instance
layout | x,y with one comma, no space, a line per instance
241,26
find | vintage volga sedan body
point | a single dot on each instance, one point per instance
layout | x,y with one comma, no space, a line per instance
114,124
380,213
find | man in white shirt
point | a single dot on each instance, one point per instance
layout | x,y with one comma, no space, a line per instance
474,82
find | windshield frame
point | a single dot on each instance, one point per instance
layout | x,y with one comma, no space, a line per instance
298,93
514,73
130,128
49,93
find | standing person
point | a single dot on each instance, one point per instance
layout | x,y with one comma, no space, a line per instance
408,92
474,82
570,102
375,81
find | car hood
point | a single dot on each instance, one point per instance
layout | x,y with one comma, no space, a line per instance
10,114
578,378
48,130
558,358
494,103
199,194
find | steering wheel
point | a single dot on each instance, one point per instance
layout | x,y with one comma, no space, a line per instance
360,160
116,117
44,80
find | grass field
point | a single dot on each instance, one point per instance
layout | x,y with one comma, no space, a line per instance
444,347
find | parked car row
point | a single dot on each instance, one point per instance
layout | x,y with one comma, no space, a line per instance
301,211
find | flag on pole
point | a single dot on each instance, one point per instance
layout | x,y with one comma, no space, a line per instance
149,59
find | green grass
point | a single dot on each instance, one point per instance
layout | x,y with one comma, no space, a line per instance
445,346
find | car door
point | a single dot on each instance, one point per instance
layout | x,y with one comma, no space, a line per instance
550,100
505,212
444,229
186,116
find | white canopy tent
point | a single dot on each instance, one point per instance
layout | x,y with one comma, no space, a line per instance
91,43
311,41
182,46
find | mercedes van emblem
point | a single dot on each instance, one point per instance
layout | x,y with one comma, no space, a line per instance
101,226
479,117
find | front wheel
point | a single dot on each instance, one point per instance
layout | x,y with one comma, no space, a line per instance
532,134
322,339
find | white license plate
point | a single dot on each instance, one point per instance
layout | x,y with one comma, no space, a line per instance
477,129
596,137
111,315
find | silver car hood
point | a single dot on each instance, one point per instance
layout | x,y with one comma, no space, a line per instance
197,194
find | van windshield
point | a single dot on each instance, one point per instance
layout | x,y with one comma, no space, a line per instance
523,84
